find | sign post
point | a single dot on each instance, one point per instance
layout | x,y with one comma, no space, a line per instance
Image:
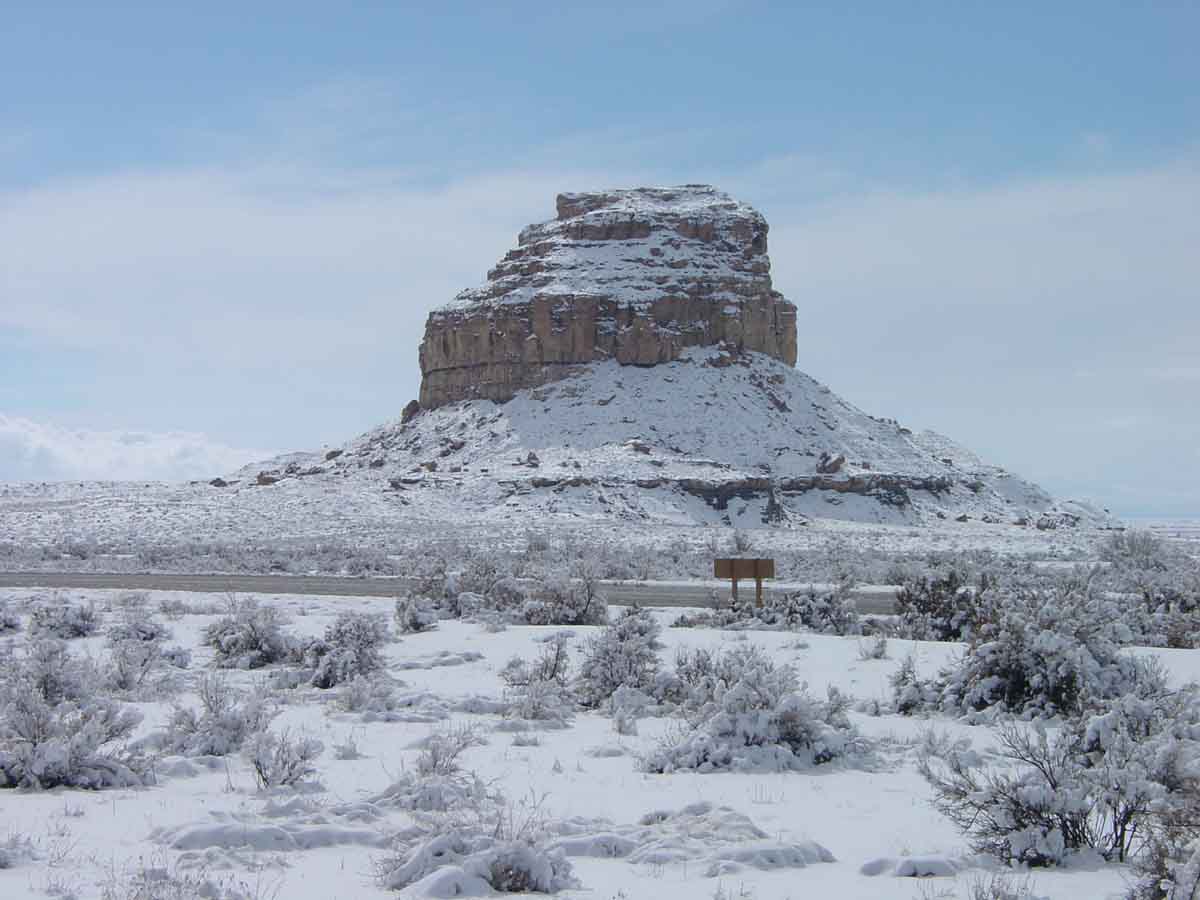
737,569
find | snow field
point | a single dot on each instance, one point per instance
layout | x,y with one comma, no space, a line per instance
767,833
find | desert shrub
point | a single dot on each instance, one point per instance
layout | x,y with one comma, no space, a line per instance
54,730
1001,886
177,657
70,745
63,620
572,600
701,675
415,614
824,612
361,694
911,693
10,619
279,760
623,653
249,636
1169,871
764,719
1108,782
940,608
174,607
441,751
1167,612
53,673
15,850
157,879
1043,651
352,647
1135,549
479,844
482,574
540,690
135,625
472,862
225,721
743,542
875,648
132,665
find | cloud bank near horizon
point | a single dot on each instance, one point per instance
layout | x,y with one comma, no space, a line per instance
33,451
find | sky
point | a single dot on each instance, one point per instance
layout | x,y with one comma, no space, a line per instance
222,225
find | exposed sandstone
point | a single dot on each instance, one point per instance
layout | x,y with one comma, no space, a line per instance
636,276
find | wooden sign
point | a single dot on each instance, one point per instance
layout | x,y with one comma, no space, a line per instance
737,569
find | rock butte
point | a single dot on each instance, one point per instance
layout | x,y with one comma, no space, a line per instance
632,275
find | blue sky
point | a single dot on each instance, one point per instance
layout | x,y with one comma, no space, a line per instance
225,225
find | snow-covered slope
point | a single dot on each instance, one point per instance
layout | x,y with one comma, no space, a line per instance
713,437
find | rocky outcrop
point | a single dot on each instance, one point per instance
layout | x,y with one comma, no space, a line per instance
636,276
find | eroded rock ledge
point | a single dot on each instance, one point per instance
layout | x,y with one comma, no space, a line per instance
636,276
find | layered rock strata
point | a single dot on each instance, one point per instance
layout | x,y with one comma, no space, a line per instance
634,275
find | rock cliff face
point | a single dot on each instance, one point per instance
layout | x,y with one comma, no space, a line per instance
635,276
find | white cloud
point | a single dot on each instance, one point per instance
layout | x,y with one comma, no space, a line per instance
33,451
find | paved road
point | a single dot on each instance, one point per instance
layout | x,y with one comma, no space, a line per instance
875,599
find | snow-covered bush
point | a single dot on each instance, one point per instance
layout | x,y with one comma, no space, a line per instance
279,760
1166,582
623,653
1135,549
365,694
827,611
945,608
352,647
1169,871
415,614
135,625
15,850
763,720
824,612
475,848
10,619
911,693
177,657
1001,886
1045,651
132,665
1167,613
540,690
567,601
64,620
875,648
473,863
700,675
1109,782
52,672
482,574
226,719
441,751
55,731
249,636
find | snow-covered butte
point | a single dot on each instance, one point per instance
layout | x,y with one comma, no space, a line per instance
635,276
628,367
713,437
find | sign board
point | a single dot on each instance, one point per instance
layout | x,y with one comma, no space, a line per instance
737,569
743,568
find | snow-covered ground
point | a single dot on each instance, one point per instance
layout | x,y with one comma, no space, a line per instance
205,819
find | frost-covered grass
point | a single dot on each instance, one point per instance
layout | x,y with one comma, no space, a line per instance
356,785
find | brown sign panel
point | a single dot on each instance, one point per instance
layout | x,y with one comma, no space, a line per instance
743,568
